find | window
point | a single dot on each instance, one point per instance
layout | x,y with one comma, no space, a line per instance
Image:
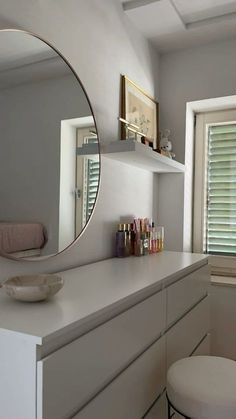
221,190
214,221
90,181
87,175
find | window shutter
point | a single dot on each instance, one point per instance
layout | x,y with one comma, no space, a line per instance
221,190
93,170
91,179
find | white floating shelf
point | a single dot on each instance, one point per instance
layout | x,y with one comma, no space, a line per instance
88,150
140,155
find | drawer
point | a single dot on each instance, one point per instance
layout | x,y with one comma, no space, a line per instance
184,336
159,410
182,295
72,375
204,347
133,391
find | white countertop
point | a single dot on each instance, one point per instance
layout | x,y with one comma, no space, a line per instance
94,293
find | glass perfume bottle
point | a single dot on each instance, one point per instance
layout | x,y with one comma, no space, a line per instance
160,238
121,241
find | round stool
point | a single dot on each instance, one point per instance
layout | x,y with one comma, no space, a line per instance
202,387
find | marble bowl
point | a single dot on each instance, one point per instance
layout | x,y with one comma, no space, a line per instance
33,287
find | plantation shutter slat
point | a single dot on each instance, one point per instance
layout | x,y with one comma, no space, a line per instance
221,190
93,171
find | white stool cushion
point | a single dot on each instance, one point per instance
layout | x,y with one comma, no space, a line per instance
203,387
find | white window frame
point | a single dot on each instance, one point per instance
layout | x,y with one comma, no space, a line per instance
221,265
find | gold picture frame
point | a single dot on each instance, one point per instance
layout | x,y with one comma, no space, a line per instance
140,109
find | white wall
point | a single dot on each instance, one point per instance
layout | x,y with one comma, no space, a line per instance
100,42
193,74
223,314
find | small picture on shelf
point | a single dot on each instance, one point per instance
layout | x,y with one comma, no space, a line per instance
140,113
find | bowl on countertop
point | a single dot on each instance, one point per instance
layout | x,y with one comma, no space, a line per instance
33,288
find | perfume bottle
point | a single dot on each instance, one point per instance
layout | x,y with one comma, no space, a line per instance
121,241
153,239
145,243
128,244
138,245
160,238
132,238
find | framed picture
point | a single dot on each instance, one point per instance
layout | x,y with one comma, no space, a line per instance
140,110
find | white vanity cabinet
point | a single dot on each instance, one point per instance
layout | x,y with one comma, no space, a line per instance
100,348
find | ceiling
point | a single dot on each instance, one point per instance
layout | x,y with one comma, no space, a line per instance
26,59
175,24
19,49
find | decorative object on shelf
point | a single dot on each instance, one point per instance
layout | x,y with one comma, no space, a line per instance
166,144
140,109
33,288
133,133
132,130
147,142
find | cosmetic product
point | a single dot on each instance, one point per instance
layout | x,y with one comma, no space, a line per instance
149,227
145,244
147,234
155,242
121,241
138,244
128,245
132,236
153,239
138,249
160,238
144,238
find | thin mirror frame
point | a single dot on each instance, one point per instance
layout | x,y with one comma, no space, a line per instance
43,258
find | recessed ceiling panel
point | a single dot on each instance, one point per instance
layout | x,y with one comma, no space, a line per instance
191,11
175,24
155,18
195,37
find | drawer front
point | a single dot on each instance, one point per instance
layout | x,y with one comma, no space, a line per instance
71,376
204,347
133,391
182,295
159,410
184,336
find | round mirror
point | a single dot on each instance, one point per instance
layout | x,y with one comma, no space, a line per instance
49,158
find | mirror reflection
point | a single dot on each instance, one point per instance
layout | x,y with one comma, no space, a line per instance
49,159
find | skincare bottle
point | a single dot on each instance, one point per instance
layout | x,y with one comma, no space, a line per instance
121,237
128,244
145,243
132,233
147,231
138,244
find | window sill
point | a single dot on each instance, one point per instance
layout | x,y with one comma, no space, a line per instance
224,281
